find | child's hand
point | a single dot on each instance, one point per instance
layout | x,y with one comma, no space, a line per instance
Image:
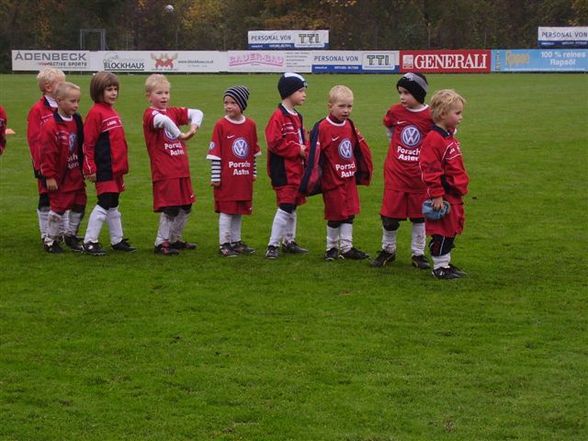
215,184
437,203
9,132
189,134
51,184
91,178
302,151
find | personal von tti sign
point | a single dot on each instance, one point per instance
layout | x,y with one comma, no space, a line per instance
303,40
446,61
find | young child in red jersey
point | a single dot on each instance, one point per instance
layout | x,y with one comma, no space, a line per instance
286,145
444,174
61,151
407,123
4,130
232,152
337,139
48,80
105,164
170,169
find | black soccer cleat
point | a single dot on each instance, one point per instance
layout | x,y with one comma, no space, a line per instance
124,246
226,250
383,258
354,254
183,245
420,262
54,248
272,252
164,249
241,247
457,270
293,248
446,273
94,249
332,254
74,243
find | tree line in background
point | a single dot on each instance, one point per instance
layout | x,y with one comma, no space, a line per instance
223,24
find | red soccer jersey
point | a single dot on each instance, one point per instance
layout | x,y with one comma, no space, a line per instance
336,142
168,154
441,163
105,144
409,128
3,125
39,113
284,134
236,146
60,153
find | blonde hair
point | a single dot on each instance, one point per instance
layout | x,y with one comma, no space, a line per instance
99,82
339,91
49,75
63,89
443,101
155,80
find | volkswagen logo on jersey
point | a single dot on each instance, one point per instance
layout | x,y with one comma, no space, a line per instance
73,141
240,148
410,136
346,149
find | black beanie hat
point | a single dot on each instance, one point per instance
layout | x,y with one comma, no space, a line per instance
240,94
416,84
289,83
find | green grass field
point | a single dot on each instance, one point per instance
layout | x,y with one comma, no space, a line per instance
142,347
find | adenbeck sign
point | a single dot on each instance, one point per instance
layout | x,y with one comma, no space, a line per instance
297,39
563,37
540,60
37,60
446,61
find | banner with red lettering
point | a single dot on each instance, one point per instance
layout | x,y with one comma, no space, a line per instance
446,61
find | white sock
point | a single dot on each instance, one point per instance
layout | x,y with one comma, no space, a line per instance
419,239
441,261
65,222
163,232
177,228
389,241
113,218
236,220
333,237
97,218
224,228
42,216
279,226
346,237
290,230
54,222
73,224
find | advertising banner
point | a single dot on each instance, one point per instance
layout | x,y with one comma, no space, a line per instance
446,61
354,62
288,39
161,61
540,60
563,37
256,61
25,60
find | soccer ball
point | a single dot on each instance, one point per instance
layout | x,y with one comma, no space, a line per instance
169,8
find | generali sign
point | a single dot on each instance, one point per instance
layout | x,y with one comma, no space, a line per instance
446,61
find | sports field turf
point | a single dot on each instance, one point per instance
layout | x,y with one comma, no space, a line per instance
143,347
